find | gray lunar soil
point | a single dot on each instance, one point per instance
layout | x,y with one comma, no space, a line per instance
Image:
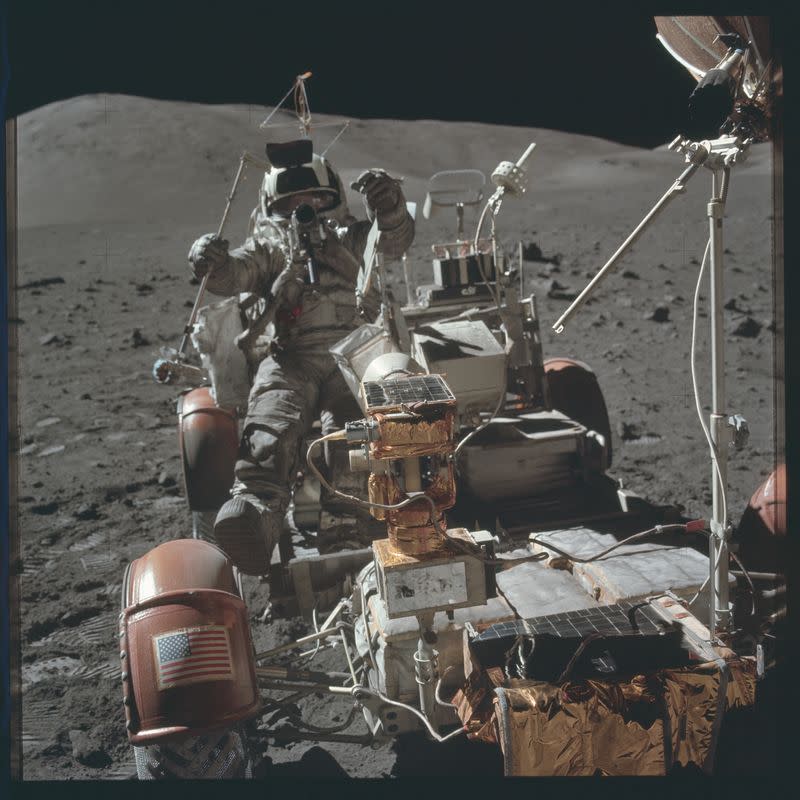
112,192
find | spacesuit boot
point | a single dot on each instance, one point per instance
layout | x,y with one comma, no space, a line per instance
247,529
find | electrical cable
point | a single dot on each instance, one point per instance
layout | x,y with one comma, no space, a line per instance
416,712
658,529
697,403
340,436
705,582
582,647
702,586
500,401
703,425
496,562
492,203
494,290
371,568
436,694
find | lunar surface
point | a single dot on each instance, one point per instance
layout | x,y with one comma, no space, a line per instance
112,192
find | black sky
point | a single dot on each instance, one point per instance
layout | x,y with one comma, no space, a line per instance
594,73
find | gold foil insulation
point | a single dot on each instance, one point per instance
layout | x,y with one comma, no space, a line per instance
404,435
383,489
418,540
640,726
414,431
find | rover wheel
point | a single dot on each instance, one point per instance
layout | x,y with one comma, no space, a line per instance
574,391
216,755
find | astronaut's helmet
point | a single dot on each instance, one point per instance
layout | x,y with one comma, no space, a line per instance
297,175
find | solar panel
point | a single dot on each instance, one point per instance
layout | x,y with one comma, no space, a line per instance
628,618
603,641
414,389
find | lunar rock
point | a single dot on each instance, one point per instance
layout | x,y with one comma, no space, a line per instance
87,511
658,314
557,291
629,432
41,282
748,328
165,479
51,338
87,750
138,339
44,508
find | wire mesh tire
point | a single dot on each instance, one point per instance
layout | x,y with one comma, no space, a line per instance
203,525
574,391
217,755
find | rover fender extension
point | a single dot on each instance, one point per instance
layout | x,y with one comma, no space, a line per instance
574,390
186,652
208,438
762,530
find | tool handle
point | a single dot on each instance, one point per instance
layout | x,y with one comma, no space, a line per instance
526,155
676,188
204,283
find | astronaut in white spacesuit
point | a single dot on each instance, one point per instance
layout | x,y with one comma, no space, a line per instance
296,379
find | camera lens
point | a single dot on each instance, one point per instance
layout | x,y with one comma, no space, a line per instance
304,214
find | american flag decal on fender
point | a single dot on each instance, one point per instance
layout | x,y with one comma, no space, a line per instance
193,655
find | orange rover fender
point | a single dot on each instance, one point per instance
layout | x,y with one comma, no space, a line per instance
186,651
208,438
762,531
574,391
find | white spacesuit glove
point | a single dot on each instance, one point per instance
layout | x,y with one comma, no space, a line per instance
381,192
208,253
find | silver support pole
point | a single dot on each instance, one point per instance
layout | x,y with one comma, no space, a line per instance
719,155
677,187
719,611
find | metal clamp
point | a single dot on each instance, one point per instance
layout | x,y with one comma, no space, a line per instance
510,176
721,430
740,431
362,430
718,530
359,459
